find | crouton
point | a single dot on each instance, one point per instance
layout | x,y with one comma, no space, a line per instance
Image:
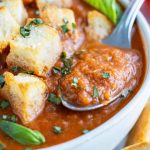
16,9
26,93
139,137
99,27
60,3
8,28
138,146
59,17
37,52
63,20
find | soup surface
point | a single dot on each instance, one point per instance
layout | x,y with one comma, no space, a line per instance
74,124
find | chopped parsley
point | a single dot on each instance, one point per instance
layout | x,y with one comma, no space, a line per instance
14,69
2,147
54,99
18,69
29,72
85,131
25,31
11,118
105,75
63,55
95,92
75,82
57,129
2,81
67,66
65,25
36,21
56,70
4,104
73,27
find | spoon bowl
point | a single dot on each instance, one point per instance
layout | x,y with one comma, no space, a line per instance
120,37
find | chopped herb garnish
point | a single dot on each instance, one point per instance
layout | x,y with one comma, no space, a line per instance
4,104
65,25
29,72
67,66
54,99
2,81
2,147
14,69
73,27
65,28
65,71
85,131
57,130
56,70
24,31
11,118
105,75
95,92
28,148
36,21
75,82
63,55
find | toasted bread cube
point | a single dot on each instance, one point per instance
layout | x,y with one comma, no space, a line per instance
8,28
99,27
26,93
37,52
58,16
139,146
60,3
16,9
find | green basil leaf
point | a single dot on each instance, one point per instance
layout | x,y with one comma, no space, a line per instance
110,8
21,134
2,147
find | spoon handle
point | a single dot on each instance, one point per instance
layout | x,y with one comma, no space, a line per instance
121,36
129,16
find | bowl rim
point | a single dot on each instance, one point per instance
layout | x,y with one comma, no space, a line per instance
144,27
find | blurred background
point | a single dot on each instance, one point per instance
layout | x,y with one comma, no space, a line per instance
146,10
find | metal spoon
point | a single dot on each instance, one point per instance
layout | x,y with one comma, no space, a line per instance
121,37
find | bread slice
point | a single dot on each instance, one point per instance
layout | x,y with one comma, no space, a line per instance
139,137
37,52
16,9
60,3
8,28
26,93
139,146
99,27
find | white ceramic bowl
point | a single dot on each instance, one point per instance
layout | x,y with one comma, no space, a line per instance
108,135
